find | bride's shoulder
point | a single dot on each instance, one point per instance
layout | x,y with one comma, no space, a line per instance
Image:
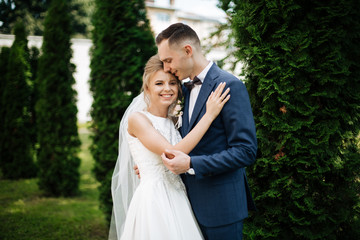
138,123
138,119
138,116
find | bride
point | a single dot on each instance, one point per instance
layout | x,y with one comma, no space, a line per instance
156,206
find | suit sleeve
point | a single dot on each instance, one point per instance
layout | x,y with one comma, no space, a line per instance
239,126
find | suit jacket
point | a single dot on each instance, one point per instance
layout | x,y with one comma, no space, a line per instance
219,192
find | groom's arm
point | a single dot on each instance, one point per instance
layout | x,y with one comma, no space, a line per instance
239,126
240,130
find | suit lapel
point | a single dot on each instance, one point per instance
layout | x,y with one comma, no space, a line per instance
204,93
185,121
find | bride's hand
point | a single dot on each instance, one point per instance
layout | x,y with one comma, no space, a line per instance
217,100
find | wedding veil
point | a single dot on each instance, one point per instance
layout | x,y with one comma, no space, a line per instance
124,180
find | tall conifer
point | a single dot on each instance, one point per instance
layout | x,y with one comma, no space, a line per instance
16,146
304,81
123,42
34,54
56,107
4,59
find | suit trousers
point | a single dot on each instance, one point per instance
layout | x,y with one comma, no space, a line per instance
232,231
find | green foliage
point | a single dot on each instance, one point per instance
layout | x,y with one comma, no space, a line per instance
303,76
33,12
16,143
56,107
4,59
123,42
25,213
34,54
30,12
81,11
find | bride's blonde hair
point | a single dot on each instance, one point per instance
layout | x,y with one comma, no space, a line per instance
153,65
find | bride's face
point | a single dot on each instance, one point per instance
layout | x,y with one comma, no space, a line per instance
162,89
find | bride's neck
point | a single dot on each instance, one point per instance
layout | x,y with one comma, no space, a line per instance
159,112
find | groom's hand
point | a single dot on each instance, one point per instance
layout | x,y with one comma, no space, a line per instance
178,163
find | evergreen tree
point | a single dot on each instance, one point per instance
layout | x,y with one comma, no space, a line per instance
123,42
16,146
32,13
56,108
33,61
302,73
4,58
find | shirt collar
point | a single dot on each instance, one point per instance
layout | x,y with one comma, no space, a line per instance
202,75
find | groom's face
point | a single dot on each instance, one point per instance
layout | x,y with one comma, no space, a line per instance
176,59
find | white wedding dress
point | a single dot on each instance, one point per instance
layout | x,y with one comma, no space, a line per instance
159,209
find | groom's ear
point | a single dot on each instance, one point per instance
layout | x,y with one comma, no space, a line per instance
188,50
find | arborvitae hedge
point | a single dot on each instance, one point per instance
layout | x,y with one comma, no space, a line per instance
302,71
34,55
16,146
123,42
4,59
56,107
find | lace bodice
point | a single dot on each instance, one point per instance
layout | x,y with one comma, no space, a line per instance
150,164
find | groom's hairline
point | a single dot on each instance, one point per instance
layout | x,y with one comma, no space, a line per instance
174,29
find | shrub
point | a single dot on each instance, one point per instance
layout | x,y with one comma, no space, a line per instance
16,143
302,73
56,108
123,42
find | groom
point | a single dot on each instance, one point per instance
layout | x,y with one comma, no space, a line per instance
215,176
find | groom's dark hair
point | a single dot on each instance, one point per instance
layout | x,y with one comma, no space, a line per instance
177,33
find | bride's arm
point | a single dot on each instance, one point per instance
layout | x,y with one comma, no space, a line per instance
141,127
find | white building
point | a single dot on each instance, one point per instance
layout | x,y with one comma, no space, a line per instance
160,17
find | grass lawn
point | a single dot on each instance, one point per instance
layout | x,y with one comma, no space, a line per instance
25,213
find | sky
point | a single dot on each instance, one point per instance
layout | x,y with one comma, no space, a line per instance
202,7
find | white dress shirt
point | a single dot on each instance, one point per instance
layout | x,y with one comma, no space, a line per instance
195,91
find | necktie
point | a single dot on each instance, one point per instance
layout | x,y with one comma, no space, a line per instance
192,83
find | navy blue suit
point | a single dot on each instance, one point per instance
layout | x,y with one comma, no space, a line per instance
219,192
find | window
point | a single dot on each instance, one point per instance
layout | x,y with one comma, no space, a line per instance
163,17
